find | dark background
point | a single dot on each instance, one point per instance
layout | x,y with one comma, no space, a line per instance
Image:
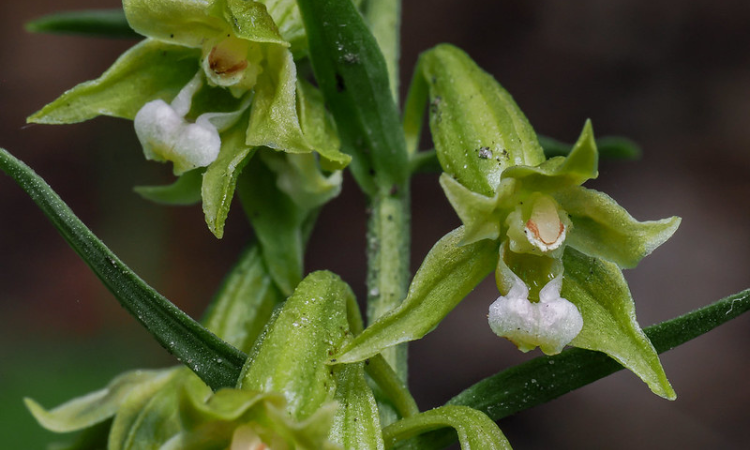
672,75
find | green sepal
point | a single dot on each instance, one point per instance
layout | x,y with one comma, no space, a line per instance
560,172
98,406
186,190
609,147
298,176
273,120
475,430
110,23
213,360
601,294
312,325
287,17
319,128
478,129
603,229
150,70
448,273
251,21
353,76
220,178
185,22
244,302
356,424
277,221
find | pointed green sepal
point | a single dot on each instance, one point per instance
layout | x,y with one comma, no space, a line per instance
449,272
603,229
251,21
601,294
185,191
148,71
184,22
287,17
299,177
475,430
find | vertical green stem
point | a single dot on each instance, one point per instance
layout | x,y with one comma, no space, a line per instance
388,242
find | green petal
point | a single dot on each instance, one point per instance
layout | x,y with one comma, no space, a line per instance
183,22
244,303
602,296
149,71
603,229
477,128
220,179
475,430
356,424
559,172
83,412
251,21
277,221
290,358
318,127
449,272
185,191
273,120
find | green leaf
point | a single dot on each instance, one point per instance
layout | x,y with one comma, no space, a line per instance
556,173
384,19
449,272
244,302
273,121
478,129
213,360
603,229
475,430
290,358
109,23
185,191
96,407
356,424
278,223
220,179
610,147
185,22
602,296
509,392
353,76
150,70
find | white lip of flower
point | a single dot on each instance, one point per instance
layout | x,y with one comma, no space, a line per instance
245,438
165,135
550,324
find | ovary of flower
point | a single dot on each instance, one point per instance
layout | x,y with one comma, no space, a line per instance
544,229
166,135
245,438
550,323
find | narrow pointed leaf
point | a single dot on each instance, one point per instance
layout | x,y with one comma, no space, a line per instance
474,429
510,391
109,23
449,272
185,191
353,76
356,424
150,70
213,360
603,229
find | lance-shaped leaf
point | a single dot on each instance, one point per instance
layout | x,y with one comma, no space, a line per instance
449,272
150,70
278,223
603,229
186,190
353,77
602,296
478,129
290,357
511,391
109,23
215,361
475,430
356,424
98,406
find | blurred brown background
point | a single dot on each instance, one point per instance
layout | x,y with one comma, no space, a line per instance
672,75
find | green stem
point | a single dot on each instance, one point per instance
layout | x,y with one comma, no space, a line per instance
388,263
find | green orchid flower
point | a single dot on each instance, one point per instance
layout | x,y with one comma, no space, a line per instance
557,249
213,81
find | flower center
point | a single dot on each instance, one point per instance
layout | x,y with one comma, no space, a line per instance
544,228
226,63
